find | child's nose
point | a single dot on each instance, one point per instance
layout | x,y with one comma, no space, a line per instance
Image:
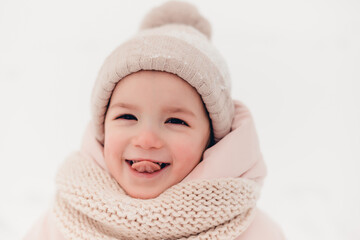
147,139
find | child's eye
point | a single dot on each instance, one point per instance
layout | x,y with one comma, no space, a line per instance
176,121
127,117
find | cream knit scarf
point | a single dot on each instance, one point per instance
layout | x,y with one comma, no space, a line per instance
90,204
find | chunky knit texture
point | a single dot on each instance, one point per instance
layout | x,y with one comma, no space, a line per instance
90,204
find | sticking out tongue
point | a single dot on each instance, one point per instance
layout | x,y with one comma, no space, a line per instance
146,166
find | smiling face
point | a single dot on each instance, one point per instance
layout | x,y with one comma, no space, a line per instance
156,129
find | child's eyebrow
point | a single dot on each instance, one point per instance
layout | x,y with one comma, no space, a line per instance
123,105
166,109
179,110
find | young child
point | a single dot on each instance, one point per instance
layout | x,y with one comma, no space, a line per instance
168,153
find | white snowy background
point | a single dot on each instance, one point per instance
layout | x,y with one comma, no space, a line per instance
294,63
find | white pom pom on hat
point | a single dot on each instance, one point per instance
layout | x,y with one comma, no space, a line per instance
178,13
173,38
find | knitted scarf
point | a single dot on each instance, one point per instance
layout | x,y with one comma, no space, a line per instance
90,204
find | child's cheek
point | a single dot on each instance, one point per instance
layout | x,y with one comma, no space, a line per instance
112,145
187,152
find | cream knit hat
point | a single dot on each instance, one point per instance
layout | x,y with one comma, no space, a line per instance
173,38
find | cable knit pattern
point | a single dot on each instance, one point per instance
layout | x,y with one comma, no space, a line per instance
90,204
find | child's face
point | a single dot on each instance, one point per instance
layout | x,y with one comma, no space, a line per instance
158,119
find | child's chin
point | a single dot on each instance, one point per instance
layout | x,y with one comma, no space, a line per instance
147,194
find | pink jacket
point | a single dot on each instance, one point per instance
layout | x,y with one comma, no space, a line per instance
241,157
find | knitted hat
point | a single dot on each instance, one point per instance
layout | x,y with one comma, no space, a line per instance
173,38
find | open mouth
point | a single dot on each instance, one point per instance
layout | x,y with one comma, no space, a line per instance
145,166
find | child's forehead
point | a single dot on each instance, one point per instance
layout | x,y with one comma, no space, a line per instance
156,91
153,77
155,84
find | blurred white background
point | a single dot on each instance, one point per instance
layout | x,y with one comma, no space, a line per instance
295,64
